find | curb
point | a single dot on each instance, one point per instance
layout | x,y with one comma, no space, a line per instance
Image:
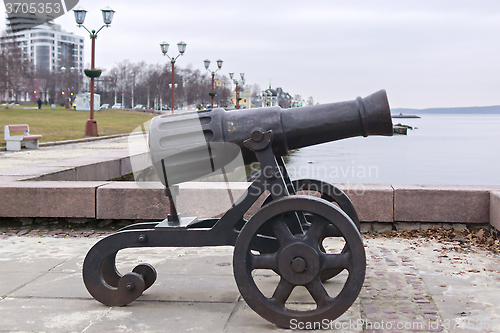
66,142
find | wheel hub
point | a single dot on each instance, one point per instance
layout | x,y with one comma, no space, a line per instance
299,263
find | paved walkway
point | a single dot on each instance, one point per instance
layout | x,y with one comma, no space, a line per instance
411,286
28,163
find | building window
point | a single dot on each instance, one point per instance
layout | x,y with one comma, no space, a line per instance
43,57
46,34
42,41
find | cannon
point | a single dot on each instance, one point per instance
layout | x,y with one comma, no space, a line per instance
284,237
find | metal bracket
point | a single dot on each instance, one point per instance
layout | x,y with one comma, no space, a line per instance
182,222
259,140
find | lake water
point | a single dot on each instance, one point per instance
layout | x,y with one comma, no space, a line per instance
458,149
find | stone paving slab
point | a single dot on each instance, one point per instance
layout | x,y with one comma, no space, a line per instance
9,179
48,315
440,203
126,200
373,202
495,209
160,317
193,288
10,281
410,286
53,159
49,199
32,171
54,285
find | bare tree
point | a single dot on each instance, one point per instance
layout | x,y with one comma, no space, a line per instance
149,85
14,68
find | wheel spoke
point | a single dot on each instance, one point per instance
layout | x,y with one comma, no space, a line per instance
282,232
318,293
264,261
332,231
316,230
341,260
282,292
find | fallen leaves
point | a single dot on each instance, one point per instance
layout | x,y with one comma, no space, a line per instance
459,240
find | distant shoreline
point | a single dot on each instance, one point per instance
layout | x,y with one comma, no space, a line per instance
462,110
400,115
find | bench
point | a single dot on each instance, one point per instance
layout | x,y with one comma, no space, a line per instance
14,141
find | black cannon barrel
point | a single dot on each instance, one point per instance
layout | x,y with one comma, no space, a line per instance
312,125
190,145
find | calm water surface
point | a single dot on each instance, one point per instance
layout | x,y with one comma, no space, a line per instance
444,149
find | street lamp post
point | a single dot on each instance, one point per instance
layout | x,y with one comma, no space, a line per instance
107,16
242,75
164,50
219,65
170,86
63,70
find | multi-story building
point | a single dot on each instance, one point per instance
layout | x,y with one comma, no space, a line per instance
276,97
284,99
48,47
39,49
245,100
270,97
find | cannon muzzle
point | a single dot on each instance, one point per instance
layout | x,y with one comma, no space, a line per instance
191,145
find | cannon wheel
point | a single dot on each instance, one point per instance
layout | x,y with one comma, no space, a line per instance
299,260
330,193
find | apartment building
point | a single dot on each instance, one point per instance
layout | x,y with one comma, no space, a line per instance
47,46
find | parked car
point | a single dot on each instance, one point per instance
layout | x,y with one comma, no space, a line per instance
139,106
117,106
105,106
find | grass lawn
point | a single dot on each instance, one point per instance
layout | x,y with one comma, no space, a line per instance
66,124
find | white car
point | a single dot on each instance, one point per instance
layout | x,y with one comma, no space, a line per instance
117,106
105,106
139,106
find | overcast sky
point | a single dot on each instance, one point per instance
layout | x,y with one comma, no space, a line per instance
425,53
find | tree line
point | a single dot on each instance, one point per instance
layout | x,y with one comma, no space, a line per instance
127,82
150,85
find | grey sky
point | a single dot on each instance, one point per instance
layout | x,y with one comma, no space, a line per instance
424,53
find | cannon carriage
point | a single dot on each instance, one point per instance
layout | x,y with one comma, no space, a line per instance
284,237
